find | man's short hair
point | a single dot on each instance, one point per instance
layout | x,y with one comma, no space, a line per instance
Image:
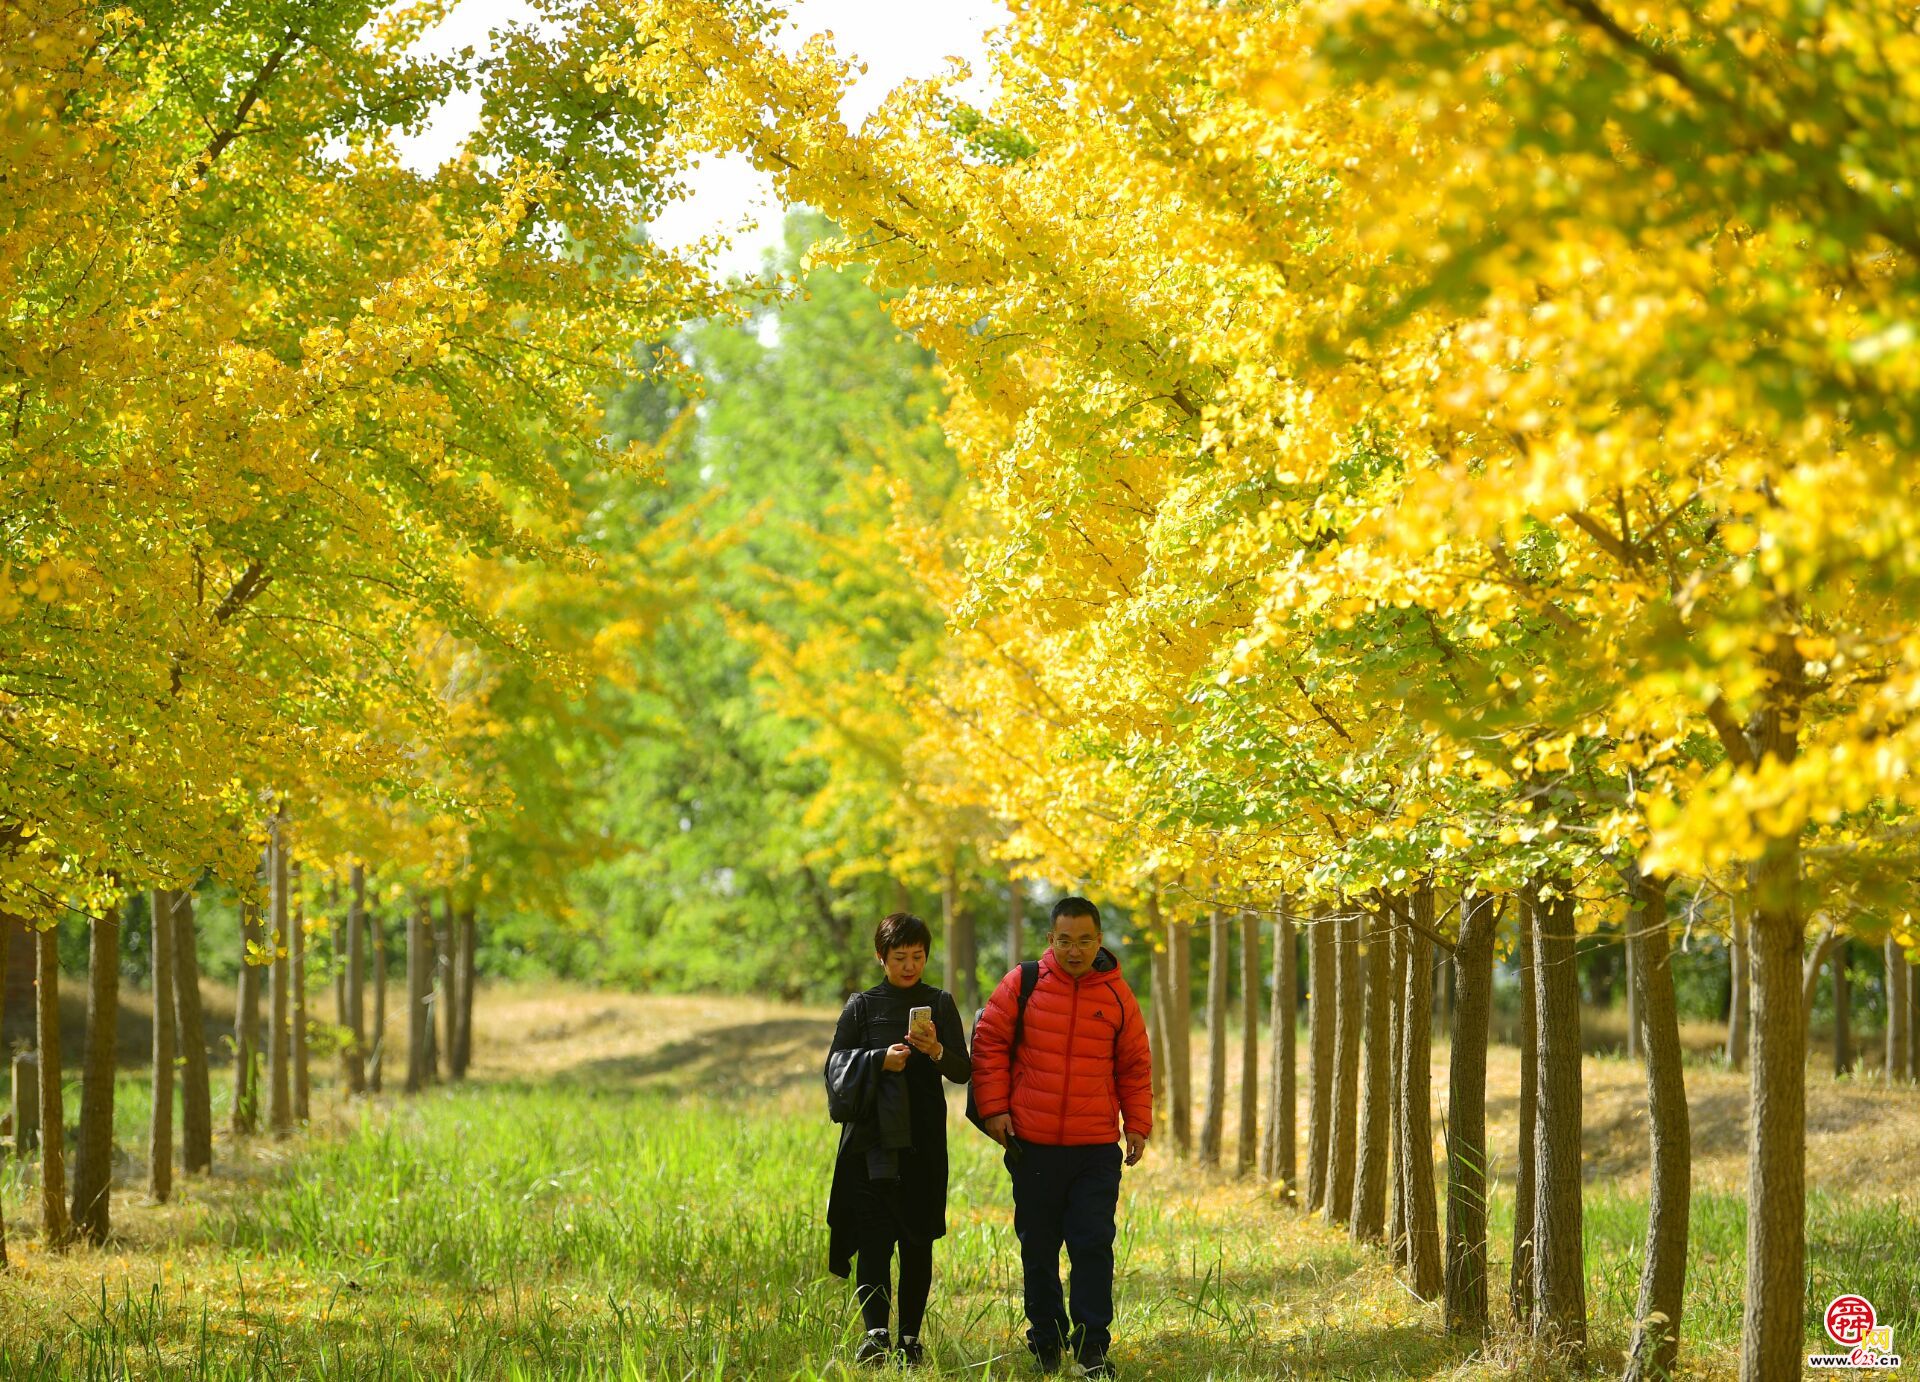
901,929
1077,907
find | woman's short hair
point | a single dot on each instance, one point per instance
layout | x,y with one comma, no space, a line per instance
901,929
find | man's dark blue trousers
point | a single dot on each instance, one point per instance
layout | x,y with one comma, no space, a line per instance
1066,1197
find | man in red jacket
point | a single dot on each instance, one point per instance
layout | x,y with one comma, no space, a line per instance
1082,1072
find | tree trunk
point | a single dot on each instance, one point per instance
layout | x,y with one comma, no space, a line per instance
1376,1084
55,1227
1323,988
1740,1000
1343,1137
279,1088
444,998
297,979
93,1153
1633,1001
463,1028
26,1098
1663,1272
1277,1149
1559,1274
961,950
419,1020
1160,1032
1180,1018
1016,922
1520,1283
160,1119
246,1025
1913,1023
1249,1041
1897,1000
1842,1010
355,1054
1442,997
1466,1264
190,1039
1396,1077
377,1051
1213,1126
1416,1103
22,1122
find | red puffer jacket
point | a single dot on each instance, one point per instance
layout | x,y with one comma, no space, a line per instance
1083,1064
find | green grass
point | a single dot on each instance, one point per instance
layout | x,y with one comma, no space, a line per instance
579,1231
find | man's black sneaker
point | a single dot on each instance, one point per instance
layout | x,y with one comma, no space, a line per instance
912,1352
874,1348
1098,1366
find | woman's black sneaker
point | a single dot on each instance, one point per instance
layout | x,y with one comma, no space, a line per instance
912,1352
873,1349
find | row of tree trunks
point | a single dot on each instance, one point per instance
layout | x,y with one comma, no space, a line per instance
1213,1124
1663,1271
1465,1287
1277,1143
93,1152
1322,987
1249,1042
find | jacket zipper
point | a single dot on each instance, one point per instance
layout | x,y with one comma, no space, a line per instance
1066,1066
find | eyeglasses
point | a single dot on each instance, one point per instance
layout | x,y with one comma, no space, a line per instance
1088,944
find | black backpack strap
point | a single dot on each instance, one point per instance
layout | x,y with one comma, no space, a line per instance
1029,981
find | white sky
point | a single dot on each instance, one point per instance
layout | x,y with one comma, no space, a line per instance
897,39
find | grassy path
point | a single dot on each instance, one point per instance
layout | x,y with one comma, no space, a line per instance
633,1189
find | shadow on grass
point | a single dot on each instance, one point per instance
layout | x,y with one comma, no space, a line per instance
749,1057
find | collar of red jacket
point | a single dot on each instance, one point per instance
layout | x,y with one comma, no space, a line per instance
1106,968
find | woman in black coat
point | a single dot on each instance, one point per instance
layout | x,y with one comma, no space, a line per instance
890,1177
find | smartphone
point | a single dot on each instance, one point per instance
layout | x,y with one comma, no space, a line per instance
920,1022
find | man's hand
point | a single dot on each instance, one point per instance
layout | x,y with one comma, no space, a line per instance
1136,1147
897,1056
1000,1127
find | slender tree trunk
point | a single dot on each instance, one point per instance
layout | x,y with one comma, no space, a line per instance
1376,1084
1278,1157
469,937
419,1022
1442,997
1740,1002
190,1037
297,978
93,1153
1213,1126
160,1119
1897,1000
22,1129
355,1017
1559,1275
1663,1272
1343,1137
1520,1286
377,1052
1416,1102
56,1228
1249,1042
1466,1265
1842,1010
1633,1001
445,1000
246,1022
961,950
1016,921
1397,956
1913,1023
1180,1017
279,1088
1161,1032
1323,987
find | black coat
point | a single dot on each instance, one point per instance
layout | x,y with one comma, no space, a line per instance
890,1175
